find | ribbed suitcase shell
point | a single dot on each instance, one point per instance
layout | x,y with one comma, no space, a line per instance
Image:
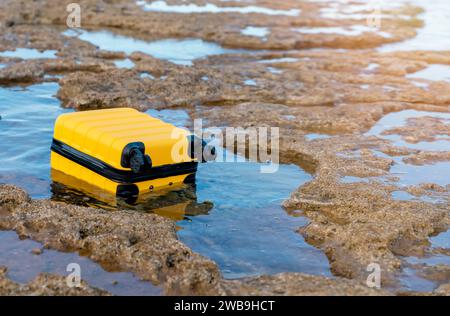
103,136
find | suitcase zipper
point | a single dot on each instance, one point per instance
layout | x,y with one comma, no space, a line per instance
117,175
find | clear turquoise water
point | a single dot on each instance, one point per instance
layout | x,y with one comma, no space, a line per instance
26,130
247,232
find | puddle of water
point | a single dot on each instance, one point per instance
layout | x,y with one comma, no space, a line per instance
398,119
247,232
289,117
2,66
431,261
441,241
364,86
181,52
279,60
47,76
274,70
126,63
372,67
353,30
28,53
176,117
250,82
402,196
26,130
162,6
23,266
359,10
409,277
408,175
421,84
405,196
414,175
255,31
409,280
146,75
314,136
433,72
336,14
389,88
435,35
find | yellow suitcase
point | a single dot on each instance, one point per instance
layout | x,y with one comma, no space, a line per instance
123,151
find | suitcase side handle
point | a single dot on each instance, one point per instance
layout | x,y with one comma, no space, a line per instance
134,157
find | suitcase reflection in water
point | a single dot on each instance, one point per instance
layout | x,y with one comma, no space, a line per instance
124,153
175,204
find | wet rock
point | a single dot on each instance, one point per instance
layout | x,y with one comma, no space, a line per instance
439,273
36,251
427,157
11,197
354,223
128,17
297,284
360,224
310,81
316,78
45,285
431,190
443,290
155,254
426,128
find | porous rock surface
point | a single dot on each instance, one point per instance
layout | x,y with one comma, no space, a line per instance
145,244
45,285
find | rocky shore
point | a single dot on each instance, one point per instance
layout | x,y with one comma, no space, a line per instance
324,83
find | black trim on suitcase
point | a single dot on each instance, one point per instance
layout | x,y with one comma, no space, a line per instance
117,175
